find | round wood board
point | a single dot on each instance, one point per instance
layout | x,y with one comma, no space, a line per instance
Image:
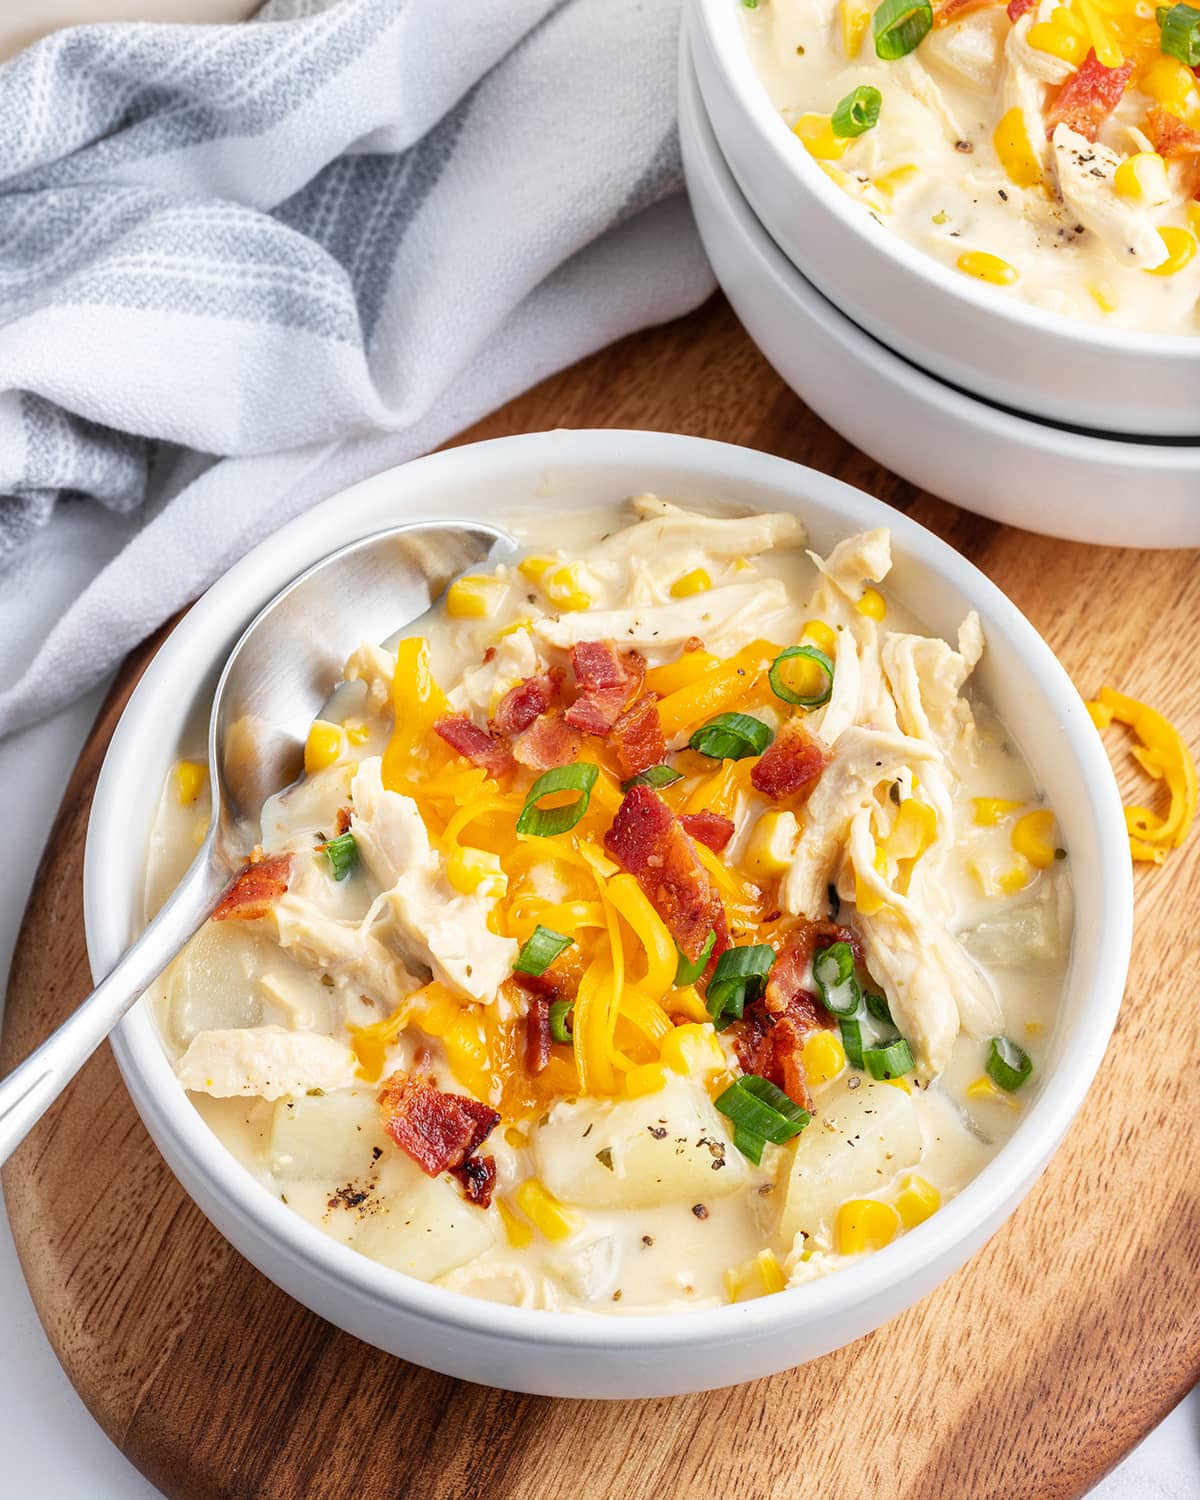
1030,1373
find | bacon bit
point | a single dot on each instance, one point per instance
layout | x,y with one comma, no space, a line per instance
479,747
1017,8
522,704
343,820
549,741
648,840
489,655
791,971
792,764
693,643
954,10
1087,99
710,828
478,1178
538,1040
255,891
439,1131
607,680
638,737
1169,135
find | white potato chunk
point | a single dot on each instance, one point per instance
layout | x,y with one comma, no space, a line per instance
426,1229
856,1143
329,1138
669,1147
266,1062
213,984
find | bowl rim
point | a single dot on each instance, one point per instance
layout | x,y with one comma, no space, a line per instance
721,20
1098,973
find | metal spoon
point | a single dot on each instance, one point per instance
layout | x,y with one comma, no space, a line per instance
278,676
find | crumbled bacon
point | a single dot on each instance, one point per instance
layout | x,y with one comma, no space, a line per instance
478,1178
549,741
773,1047
343,820
648,840
1088,97
955,10
1017,8
255,891
790,973
522,704
607,679
637,737
709,827
439,1131
538,1039
792,764
479,747
1169,135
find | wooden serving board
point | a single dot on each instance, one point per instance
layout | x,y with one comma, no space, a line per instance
1029,1374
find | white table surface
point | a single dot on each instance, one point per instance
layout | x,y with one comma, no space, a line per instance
52,1448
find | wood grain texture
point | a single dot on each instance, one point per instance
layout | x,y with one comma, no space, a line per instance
1028,1374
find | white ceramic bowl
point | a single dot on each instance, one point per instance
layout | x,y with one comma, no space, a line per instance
958,328
1088,488
628,1355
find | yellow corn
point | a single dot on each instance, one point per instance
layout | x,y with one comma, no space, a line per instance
559,581
1034,1028
987,267
984,1089
357,733
323,747
476,870
992,810
474,597
770,847
695,582
646,1078
688,1002
1035,836
190,776
899,1083
1015,879
1103,296
823,636
1142,178
865,896
824,1057
915,829
1058,41
889,183
1171,83
755,1278
855,17
871,603
865,1224
533,568
1015,150
693,1049
519,1233
545,1212
816,132
916,1201
1181,247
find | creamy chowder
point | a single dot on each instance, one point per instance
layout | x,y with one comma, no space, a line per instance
669,925
1051,149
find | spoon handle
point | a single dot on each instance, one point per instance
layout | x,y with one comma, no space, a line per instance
33,1085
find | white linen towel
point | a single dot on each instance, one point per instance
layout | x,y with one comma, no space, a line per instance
315,244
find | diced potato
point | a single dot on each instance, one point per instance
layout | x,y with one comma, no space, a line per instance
212,985
668,1147
426,1229
325,1137
857,1142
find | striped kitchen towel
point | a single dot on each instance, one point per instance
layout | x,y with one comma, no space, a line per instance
242,266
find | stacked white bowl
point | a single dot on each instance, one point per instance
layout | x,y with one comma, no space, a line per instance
1022,415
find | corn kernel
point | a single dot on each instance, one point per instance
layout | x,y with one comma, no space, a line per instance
695,582
687,1001
823,636
816,131
855,16
899,1083
545,1212
519,1233
323,747
474,597
1015,150
915,829
562,587
1015,880
476,871
1171,83
824,1057
357,733
866,898
1034,1028
985,1090
1034,836
755,1278
1103,296
1057,41
865,1224
916,1201
190,776
693,1049
1142,178
770,847
986,267
646,1078
534,567
1181,247
889,183
871,603
992,810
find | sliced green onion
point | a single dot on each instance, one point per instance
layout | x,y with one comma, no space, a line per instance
560,1014
877,1006
343,855
900,26
687,972
1008,1065
544,822
656,776
790,695
732,737
1181,33
858,111
739,978
540,949
748,1143
892,1061
757,1106
852,1043
833,972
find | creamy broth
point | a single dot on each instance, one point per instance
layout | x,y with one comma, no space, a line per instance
967,158
629,1193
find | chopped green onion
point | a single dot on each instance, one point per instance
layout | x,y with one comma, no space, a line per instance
343,855
757,1107
732,737
544,822
1181,33
739,978
892,1061
833,972
540,949
656,776
1008,1065
877,1006
852,1043
687,972
560,1015
750,4
748,1143
858,111
900,26
790,695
